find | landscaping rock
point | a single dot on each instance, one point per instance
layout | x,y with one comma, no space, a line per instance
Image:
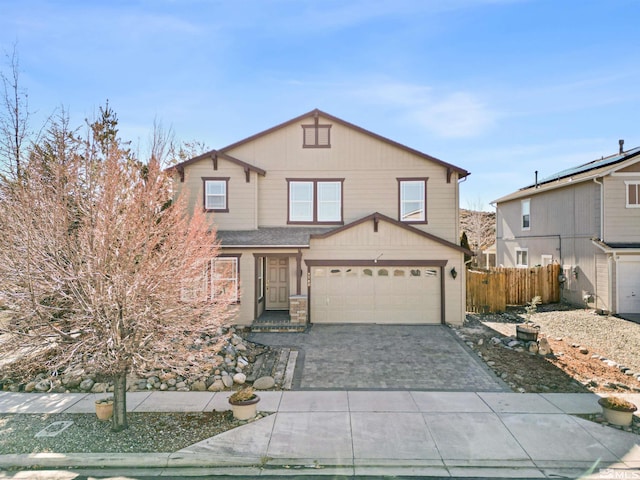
543,347
239,378
42,386
216,386
86,384
99,387
264,383
227,381
198,386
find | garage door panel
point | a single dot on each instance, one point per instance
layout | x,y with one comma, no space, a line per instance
629,286
375,295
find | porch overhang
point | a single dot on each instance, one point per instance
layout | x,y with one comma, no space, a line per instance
631,248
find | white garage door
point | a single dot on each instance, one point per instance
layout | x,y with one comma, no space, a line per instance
375,294
629,286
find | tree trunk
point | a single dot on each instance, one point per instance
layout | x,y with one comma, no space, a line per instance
119,420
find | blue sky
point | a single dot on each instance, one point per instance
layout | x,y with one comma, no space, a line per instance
499,87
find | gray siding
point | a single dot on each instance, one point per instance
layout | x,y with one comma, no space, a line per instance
562,223
621,224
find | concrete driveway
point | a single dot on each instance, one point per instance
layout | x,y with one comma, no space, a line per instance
384,357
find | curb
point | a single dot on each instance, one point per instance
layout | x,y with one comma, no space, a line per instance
162,464
123,460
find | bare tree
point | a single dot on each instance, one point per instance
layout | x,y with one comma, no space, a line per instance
14,119
480,227
97,267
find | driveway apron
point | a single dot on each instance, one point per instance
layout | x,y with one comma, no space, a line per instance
384,357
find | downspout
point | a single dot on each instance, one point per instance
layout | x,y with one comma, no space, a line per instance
463,289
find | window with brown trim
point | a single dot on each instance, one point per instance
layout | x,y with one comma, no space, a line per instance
412,200
633,194
315,201
225,276
215,194
316,136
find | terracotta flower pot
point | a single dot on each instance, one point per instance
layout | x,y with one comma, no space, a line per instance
104,410
245,409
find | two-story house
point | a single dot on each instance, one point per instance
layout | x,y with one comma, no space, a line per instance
587,219
330,223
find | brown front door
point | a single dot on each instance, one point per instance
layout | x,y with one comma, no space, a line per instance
278,283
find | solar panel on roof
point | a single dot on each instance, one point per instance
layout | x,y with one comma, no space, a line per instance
591,165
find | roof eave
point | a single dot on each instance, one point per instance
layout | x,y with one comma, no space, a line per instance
460,171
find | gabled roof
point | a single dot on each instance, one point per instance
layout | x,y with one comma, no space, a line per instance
299,237
214,154
585,172
376,217
222,151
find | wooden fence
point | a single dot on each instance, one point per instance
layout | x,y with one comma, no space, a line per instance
492,290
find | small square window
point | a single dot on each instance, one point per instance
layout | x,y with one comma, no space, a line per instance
633,194
316,136
522,257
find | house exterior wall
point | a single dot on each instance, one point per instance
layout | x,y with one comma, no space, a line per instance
393,243
242,195
562,223
603,284
369,168
246,308
621,224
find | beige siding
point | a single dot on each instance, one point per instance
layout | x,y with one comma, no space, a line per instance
370,168
621,224
246,308
242,195
394,243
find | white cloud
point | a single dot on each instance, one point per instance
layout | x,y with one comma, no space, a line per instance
458,114
455,115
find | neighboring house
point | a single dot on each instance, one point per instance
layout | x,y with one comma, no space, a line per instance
587,219
330,223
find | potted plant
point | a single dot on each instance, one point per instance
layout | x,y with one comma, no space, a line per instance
617,411
104,408
527,332
244,403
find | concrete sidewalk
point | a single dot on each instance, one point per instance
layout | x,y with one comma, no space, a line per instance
402,433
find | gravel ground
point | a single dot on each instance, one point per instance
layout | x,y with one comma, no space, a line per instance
612,337
147,432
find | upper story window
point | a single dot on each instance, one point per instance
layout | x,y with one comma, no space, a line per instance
316,135
412,197
633,194
216,194
525,207
315,201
